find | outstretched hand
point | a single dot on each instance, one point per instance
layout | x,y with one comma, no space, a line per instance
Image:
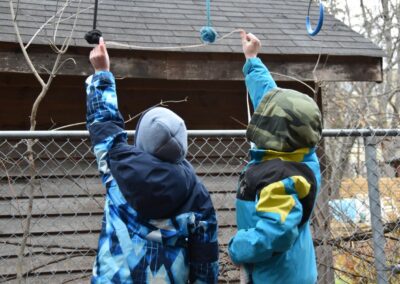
251,44
99,57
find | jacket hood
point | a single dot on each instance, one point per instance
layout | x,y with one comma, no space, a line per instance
162,133
285,120
155,188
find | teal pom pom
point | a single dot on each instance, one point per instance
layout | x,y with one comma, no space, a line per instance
208,34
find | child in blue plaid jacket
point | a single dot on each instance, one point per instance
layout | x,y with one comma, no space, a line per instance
159,224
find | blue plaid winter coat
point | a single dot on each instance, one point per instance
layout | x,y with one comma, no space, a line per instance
159,224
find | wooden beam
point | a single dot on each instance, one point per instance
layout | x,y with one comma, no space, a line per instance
203,66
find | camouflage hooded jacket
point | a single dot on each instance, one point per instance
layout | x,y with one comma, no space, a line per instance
278,187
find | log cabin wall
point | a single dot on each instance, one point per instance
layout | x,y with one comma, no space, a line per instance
210,104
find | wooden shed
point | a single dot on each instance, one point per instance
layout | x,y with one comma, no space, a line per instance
211,77
67,210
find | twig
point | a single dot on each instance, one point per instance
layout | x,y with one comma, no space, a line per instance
78,278
293,78
53,123
53,47
59,19
11,187
85,190
343,271
65,61
88,249
69,125
23,49
45,69
26,229
360,236
16,11
238,121
161,103
52,18
130,118
358,254
27,273
315,67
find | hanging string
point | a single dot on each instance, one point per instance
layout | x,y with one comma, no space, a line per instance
252,145
207,33
132,46
96,5
310,30
93,36
208,12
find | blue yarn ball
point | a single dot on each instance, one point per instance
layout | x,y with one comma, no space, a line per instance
208,34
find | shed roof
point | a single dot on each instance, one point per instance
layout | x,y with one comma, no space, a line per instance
280,24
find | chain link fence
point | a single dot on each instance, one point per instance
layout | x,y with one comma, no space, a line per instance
51,203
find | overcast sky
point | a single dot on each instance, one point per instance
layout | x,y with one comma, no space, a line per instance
355,11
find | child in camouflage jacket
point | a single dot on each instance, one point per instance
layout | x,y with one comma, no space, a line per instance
278,188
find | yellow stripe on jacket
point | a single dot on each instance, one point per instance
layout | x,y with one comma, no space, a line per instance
274,199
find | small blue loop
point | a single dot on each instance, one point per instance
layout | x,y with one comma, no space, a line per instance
310,31
208,34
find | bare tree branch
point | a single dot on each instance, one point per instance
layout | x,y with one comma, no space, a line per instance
23,49
48,22
130,118
30,143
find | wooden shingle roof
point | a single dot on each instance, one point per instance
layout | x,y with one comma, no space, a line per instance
280,24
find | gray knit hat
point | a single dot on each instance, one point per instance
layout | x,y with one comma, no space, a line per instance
284,121
163,134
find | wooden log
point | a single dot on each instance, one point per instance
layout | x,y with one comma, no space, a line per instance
67,206
70,277
60,168
74,242
74,224
53,264
205,66
92,187
56,254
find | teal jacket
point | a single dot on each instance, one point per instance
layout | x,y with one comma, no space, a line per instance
275,198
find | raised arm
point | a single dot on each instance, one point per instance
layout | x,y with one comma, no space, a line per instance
258,79
103,120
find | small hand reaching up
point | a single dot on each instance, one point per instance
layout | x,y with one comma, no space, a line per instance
99,57
251,44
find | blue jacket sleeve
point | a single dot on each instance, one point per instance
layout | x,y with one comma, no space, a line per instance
103,119
203,242
258,80
279,214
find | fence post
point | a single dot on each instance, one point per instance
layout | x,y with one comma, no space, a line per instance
375,209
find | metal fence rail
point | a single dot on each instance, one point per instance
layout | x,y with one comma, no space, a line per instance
356,223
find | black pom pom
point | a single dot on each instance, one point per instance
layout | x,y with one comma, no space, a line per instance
93,36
